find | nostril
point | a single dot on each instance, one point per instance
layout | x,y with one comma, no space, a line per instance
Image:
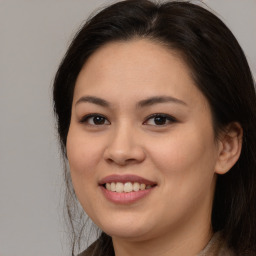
123,153
109,160
120,161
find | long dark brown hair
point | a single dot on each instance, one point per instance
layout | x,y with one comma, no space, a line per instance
220,71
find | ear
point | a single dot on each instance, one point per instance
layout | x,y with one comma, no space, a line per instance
230,146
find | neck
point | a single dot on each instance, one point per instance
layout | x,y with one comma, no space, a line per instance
175,244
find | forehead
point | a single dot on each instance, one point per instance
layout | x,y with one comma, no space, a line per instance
136,67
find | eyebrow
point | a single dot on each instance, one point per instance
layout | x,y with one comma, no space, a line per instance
94,100
159,99
143,103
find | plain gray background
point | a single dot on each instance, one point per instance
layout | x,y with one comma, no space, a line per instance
34,35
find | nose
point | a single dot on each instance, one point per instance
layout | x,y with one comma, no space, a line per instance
124,147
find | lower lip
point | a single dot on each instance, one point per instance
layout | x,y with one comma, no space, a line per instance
125,198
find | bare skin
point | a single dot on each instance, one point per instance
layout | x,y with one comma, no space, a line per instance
114,130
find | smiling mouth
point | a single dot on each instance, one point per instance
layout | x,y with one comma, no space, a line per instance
126,187
126,183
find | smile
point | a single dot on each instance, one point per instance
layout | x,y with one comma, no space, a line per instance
126,187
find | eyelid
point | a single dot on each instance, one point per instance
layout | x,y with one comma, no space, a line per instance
170,118
85,119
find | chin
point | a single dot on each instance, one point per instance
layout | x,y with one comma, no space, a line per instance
129,235
129,230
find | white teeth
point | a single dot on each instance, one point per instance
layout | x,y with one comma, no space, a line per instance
119,187
108,186
127,187
142,186
113,187
136,186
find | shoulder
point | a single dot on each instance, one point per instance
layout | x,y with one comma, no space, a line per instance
89,251
217,247
102,246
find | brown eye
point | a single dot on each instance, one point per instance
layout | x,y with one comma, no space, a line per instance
94,119
98,120
160,120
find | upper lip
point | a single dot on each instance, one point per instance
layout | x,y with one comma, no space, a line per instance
125,178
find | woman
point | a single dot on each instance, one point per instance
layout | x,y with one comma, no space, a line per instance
155,105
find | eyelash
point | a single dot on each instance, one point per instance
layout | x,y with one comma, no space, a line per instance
166,117
86,118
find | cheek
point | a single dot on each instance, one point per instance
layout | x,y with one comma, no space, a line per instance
83,153
83,156
186,157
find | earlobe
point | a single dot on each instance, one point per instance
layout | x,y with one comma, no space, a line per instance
230,146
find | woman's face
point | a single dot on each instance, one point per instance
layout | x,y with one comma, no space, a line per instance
138,118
